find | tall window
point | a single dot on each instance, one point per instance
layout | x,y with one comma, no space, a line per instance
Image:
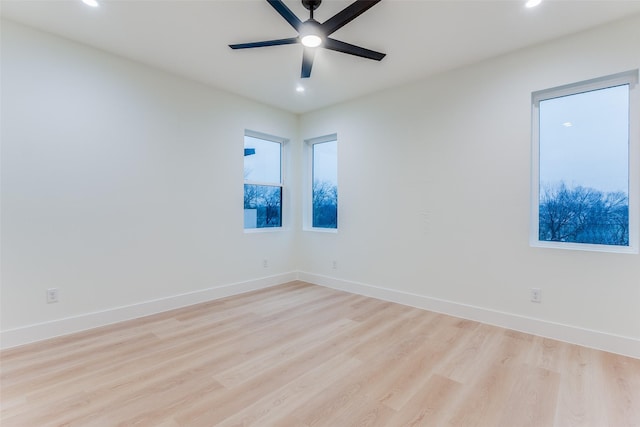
324,182
262,181
585,184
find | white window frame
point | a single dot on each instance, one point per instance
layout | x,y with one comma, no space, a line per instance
282,142
630,78
308,187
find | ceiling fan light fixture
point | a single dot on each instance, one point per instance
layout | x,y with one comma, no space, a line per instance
311,40
311,33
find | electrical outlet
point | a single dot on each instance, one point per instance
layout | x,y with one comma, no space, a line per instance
536,295
265,263
52,295
334,265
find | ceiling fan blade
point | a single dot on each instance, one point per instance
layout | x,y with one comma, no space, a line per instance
291,40
286,13
347,15
337,45
307,62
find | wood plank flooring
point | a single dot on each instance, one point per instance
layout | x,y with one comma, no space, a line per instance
301,355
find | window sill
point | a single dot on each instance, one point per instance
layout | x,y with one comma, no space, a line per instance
585,247
264,230
321,230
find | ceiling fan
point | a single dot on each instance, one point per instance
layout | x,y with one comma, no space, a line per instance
313,34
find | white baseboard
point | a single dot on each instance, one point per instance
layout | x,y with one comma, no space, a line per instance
42,331
589,338
585,337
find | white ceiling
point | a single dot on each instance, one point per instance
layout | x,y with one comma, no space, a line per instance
420,38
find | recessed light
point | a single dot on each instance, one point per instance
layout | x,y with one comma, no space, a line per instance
299,89
567,124
532,3
92,3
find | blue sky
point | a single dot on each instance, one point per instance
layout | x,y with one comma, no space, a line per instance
325,164
584,140
264,165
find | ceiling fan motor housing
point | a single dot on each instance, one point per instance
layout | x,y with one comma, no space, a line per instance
311,4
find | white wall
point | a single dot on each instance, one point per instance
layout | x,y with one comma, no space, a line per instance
434,182
122,185
118,189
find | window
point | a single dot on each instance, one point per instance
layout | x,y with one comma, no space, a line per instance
585,165
324,182
262,181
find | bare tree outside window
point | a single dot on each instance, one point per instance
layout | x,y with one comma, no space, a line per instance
584,215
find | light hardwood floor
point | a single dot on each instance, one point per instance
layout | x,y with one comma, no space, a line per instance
302,355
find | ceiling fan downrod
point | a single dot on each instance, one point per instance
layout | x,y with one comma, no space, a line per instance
311,5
